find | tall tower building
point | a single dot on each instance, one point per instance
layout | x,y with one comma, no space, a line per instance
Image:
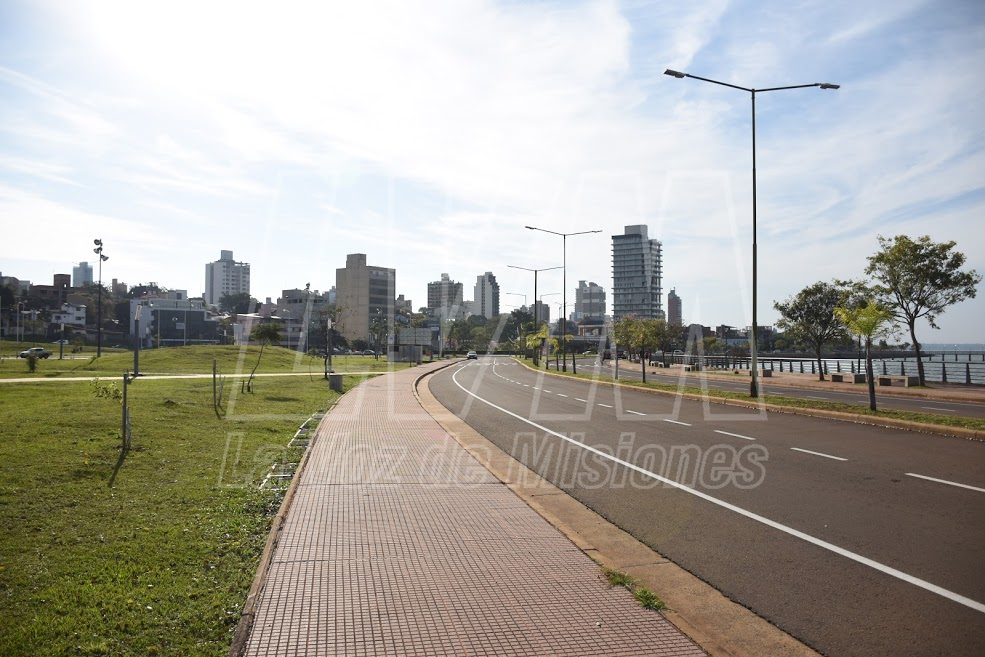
637,268
674,311
589,301
226,276
486,295
364,293
445,298
81,274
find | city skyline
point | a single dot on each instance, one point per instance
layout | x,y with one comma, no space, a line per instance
344,135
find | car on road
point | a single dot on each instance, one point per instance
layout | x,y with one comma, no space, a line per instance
472,356
37,352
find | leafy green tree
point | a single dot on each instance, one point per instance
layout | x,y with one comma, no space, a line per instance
867,321
264,334
810,318
240,303
920,278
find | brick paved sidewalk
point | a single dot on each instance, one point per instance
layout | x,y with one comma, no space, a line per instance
399,543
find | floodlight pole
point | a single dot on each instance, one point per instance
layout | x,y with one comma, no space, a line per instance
753,343
99,303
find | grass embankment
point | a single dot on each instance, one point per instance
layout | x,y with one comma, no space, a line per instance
150,554
795,402
192,360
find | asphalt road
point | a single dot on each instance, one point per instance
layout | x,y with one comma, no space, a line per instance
822,527
854,395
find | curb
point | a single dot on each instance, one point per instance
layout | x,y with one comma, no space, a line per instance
892,423
245,624
718,625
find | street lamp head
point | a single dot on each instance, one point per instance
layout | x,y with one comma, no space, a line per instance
828,85
675,74
104,258
97,242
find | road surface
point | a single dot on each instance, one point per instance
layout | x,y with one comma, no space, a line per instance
857,540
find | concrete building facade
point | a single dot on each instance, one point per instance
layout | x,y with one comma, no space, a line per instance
675,312
445,298
226,276
81,274
363,294
589,302
637,269
486,296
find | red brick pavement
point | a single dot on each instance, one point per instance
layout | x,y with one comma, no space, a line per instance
399,543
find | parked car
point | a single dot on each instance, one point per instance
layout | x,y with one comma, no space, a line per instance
368,352
472,356
38,352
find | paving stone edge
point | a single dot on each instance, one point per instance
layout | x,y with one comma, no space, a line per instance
245,624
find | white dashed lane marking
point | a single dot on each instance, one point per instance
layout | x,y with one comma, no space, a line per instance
827,456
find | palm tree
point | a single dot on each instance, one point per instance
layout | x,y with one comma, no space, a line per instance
867,322
264,334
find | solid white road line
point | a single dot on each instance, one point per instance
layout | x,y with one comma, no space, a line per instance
848,554
634,412
684,424
945,481
827,456
945,410
736,435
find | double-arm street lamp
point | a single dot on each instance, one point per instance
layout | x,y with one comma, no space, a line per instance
536,307
99,304
754,385
564,290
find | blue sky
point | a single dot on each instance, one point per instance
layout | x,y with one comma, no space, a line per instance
426,135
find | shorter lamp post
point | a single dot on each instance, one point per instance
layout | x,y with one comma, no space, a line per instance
536,307
564,289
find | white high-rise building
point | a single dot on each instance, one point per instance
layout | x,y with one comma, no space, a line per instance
486,296
226,276
637,268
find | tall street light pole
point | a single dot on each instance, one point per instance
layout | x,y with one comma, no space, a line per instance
99,304
536,307
754,385
564,290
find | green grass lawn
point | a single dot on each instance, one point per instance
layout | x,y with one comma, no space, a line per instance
152,554
190,360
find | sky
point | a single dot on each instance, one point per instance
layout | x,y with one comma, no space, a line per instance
428,134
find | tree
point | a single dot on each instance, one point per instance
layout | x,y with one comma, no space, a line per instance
810,318
241,303
920,278
866,321
264,334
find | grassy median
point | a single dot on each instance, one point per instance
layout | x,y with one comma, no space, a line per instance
150,552
796,402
